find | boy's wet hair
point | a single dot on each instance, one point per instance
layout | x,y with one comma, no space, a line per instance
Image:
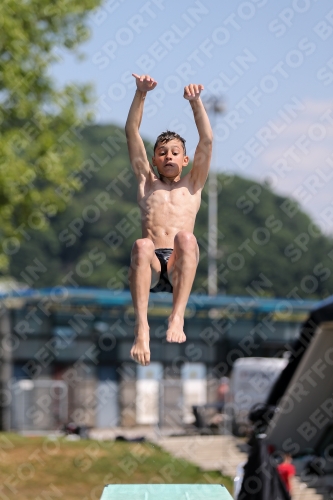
168,136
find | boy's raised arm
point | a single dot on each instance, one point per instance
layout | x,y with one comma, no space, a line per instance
136,149
203,152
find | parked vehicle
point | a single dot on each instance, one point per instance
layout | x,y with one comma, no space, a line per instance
250,383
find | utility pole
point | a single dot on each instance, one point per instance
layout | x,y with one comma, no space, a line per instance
5,368
214,107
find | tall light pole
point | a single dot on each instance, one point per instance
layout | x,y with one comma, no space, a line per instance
214,107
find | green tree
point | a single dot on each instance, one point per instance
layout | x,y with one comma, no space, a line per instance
37,119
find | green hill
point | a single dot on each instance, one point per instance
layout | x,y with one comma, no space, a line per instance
89,244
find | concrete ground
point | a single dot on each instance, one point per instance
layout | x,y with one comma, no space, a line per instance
213,452
222,453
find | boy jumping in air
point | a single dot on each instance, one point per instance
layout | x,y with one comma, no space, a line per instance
166,257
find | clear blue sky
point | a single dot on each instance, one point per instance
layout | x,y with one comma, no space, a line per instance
271,62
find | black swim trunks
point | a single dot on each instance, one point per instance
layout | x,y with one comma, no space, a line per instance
164,285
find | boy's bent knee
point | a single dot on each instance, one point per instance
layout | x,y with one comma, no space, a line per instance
143,246
186,241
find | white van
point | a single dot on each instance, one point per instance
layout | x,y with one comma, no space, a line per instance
250,383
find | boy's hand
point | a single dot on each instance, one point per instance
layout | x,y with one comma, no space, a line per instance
144,83
192,91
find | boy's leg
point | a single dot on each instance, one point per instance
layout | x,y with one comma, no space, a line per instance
182,267
144,271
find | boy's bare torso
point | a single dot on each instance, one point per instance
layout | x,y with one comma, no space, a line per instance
167,209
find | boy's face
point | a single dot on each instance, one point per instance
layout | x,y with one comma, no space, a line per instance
169,158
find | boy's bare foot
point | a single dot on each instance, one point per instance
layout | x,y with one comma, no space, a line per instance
175,331
140,351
